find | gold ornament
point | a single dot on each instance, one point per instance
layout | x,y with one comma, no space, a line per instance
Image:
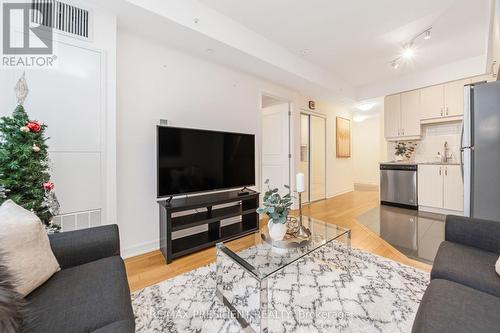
35,148
25,129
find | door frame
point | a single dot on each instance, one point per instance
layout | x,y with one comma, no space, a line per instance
325,117
290,143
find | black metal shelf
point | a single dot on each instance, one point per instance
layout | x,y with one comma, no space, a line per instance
202,240
245,206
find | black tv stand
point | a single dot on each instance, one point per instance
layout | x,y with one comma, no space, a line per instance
205,210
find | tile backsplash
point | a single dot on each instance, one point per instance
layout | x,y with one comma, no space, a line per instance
433,138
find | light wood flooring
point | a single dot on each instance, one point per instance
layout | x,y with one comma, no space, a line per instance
150,268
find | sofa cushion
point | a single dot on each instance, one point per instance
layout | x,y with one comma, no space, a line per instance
26,247
83,298
468,266
450,307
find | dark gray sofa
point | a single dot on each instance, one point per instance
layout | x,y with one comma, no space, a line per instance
90,293
464,293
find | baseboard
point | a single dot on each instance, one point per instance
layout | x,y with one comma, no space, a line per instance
139,249
336,194
366,187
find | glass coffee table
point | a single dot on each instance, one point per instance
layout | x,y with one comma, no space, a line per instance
243,276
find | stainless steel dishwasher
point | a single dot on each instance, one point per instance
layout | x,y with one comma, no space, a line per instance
398,185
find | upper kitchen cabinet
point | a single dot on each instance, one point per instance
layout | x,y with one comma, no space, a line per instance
431,103
443,102
392,116
410,113
454,98
401,116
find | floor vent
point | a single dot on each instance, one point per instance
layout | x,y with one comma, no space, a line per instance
61,16
80,220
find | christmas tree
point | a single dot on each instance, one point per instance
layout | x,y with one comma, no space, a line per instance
24,161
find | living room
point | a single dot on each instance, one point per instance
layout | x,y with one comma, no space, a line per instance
211,166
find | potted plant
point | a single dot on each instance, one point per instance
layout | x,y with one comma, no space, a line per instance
404,150
276,207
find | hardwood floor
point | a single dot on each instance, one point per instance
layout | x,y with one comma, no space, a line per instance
150,268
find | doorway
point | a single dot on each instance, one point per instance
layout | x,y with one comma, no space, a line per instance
313,155
275,156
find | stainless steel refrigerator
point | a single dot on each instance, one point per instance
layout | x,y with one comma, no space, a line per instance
481,151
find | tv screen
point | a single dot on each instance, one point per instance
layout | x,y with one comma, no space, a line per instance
191,160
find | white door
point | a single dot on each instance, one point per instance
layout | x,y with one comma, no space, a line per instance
432,102
430,186
410,113
275,147
453,188
454,97
392,116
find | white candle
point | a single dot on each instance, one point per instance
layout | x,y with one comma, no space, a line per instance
299,182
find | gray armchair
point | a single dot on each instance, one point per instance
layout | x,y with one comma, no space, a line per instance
90,293
464,293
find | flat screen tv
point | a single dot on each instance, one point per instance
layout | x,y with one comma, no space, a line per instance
192,160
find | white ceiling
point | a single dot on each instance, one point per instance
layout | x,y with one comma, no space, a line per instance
356,39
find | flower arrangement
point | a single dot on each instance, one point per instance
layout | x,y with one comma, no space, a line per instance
276,206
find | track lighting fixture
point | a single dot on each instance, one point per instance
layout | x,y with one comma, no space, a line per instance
408,50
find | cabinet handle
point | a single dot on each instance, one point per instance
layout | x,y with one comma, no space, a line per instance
446,171
441,112
446,110
440,171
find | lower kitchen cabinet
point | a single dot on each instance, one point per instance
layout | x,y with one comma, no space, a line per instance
440,186
453,185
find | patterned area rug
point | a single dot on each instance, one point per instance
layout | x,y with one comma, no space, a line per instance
314,294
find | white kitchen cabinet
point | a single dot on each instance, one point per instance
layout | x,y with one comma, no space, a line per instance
431,102
454,98
392,116
440,186
430,185
402,116
443,102
410,113
453,188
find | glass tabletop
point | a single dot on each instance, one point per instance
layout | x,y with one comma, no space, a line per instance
263,259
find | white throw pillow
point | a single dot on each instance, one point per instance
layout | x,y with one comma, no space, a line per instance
497,266
26,247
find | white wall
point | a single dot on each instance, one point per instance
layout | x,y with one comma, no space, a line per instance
367,146
339,171
76,99
156,82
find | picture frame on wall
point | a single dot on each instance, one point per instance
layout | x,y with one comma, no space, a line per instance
343,136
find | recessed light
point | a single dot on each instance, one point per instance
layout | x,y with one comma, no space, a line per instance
209,51
366,106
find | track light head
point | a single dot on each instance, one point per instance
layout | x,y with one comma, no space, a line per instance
427,35
408,51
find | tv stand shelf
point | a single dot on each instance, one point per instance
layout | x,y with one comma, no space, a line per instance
209,210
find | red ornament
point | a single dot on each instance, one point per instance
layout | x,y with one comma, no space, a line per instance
49,186
34,126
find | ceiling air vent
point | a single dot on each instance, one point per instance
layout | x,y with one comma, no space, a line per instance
61,16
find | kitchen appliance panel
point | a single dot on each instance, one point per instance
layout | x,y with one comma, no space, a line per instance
485,152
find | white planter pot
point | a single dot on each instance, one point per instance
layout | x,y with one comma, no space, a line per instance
277,230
